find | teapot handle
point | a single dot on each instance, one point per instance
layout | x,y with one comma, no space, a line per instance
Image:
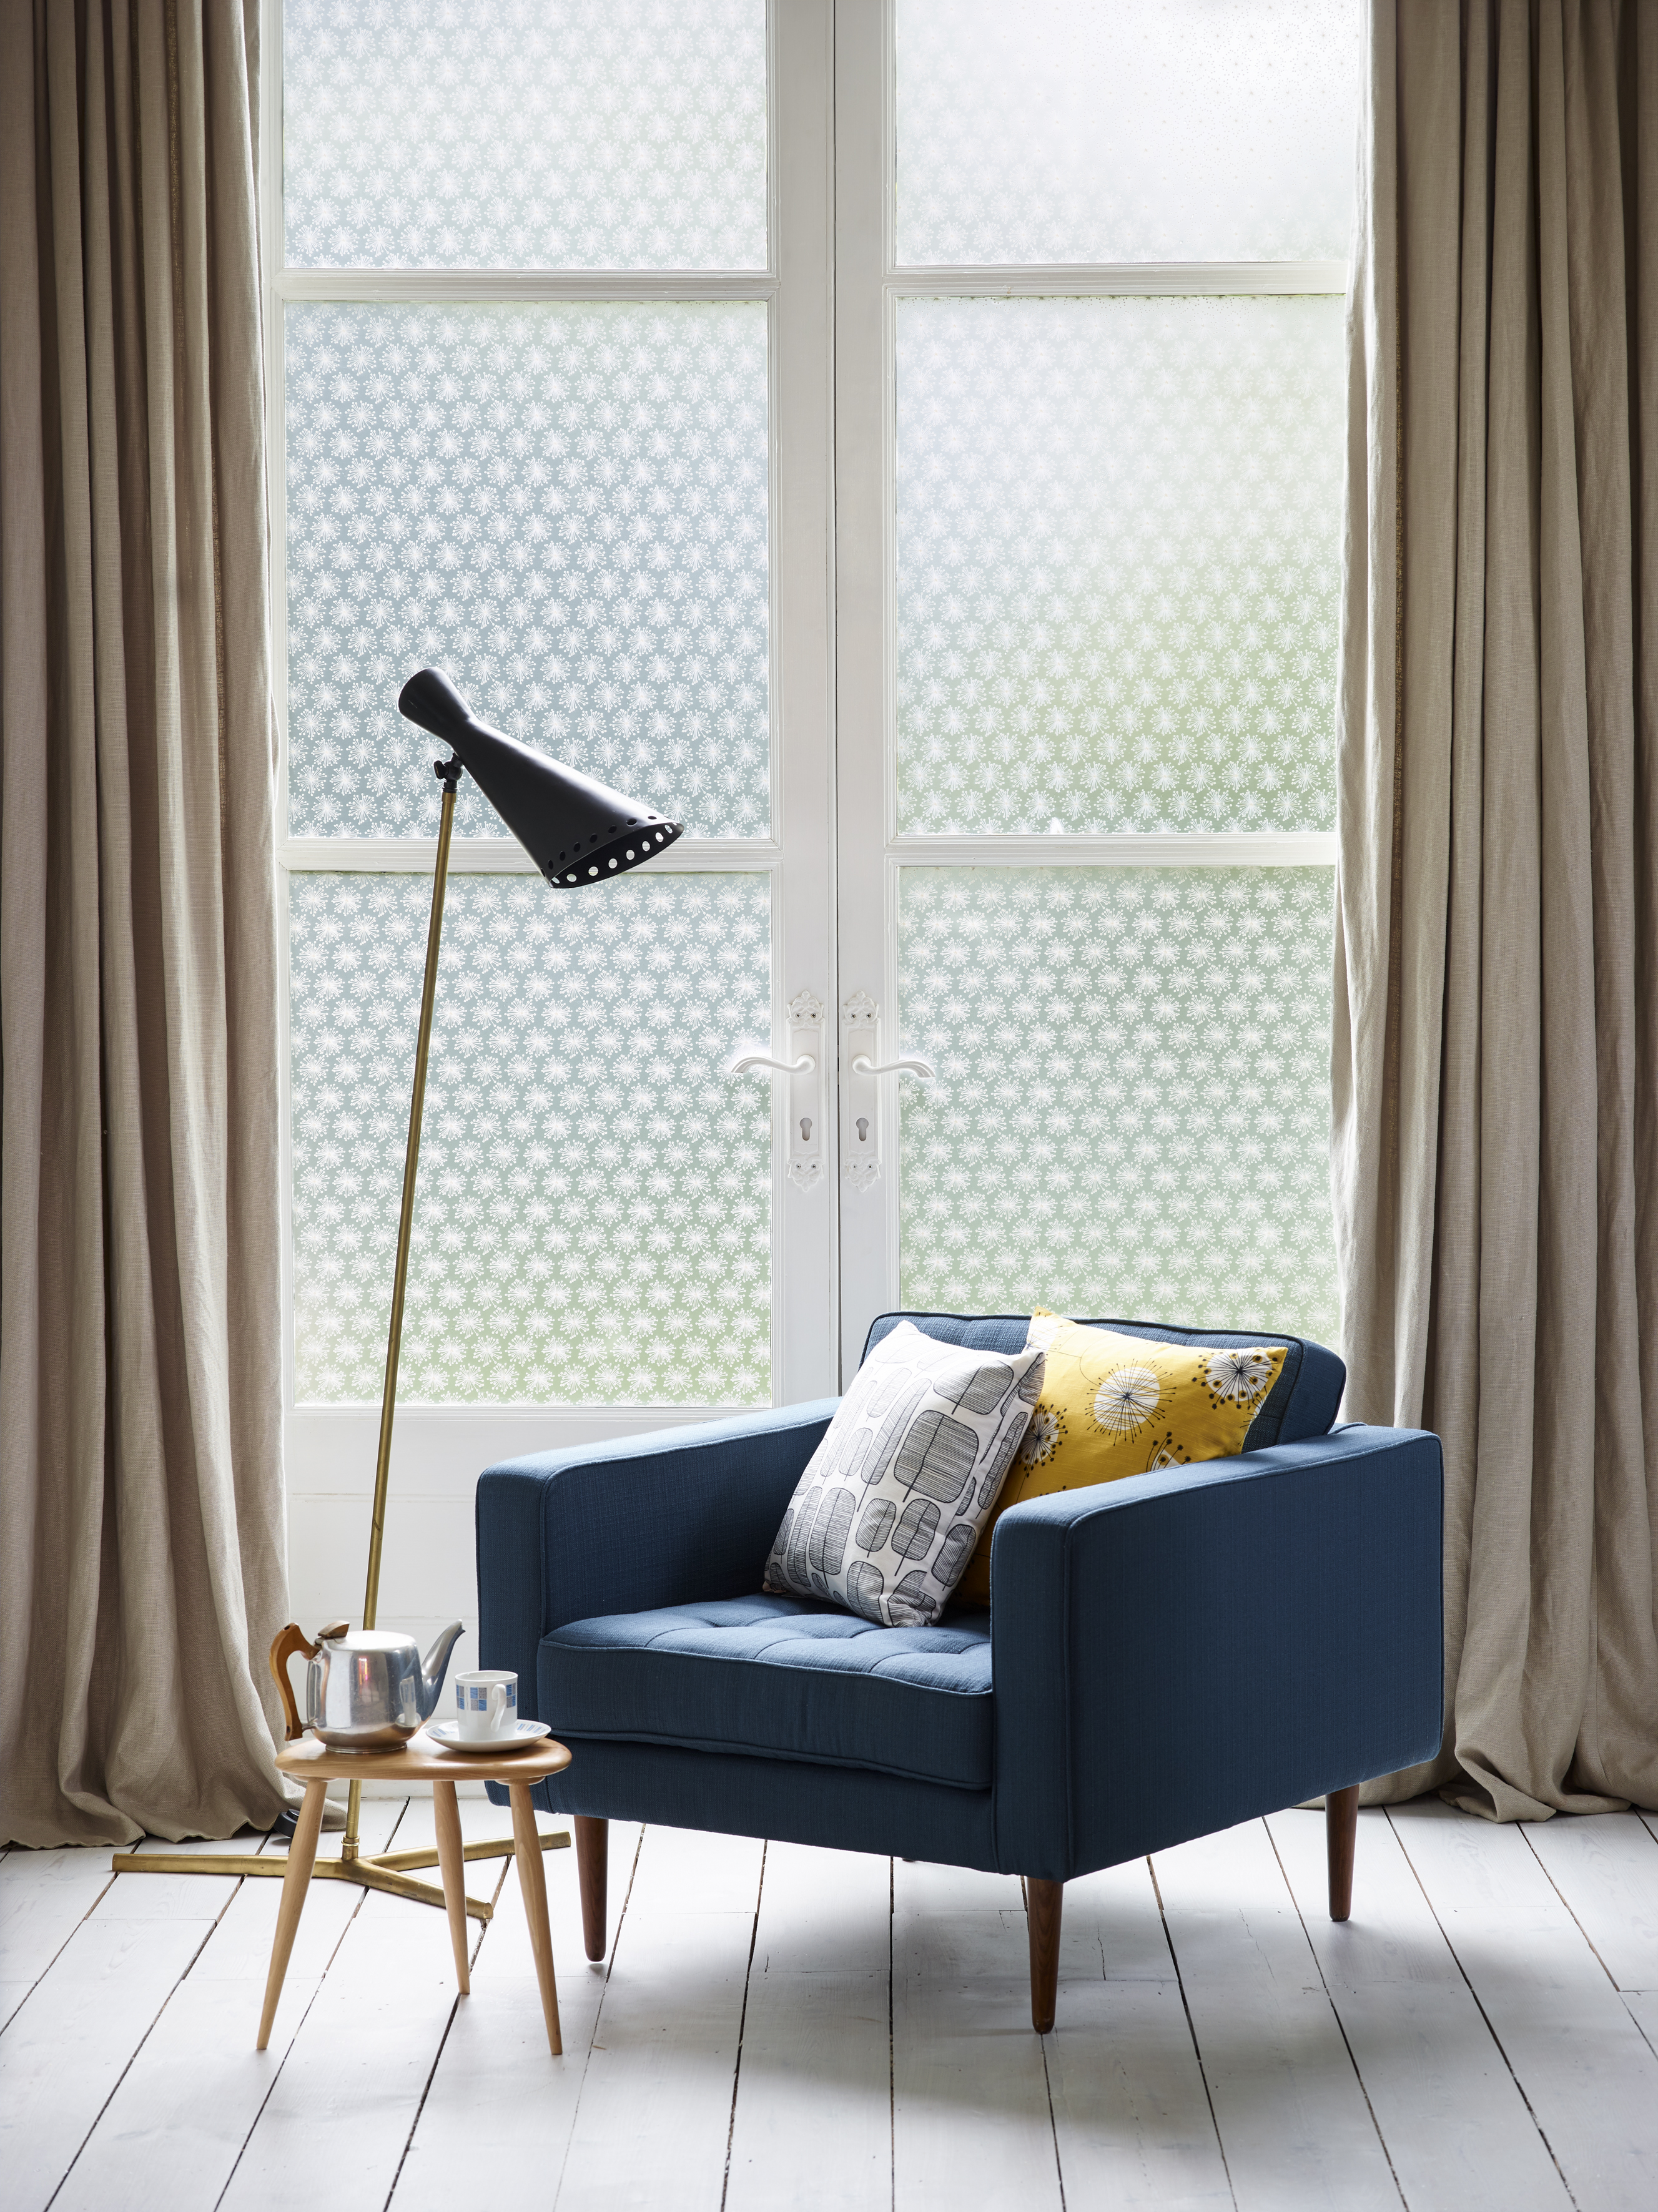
293,1638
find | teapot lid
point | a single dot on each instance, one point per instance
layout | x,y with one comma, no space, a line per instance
365,1639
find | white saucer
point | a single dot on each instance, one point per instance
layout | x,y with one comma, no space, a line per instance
521,1735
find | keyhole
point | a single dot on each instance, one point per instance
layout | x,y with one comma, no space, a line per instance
863,1128
805,1128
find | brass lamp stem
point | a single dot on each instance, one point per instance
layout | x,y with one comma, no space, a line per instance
404,1228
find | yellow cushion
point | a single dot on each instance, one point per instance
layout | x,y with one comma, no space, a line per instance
1113,1406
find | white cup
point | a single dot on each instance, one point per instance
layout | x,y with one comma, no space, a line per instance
486,1703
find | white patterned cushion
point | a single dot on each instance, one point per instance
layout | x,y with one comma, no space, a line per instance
889,1509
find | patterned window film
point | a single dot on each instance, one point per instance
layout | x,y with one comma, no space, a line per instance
593,1216
1098,131
562,497
1132,1112
525,134
564,506
1118,564
1118,544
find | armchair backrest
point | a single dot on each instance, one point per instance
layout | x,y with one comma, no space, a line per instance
1302,1403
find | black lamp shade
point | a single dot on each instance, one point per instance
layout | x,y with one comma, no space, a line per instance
576,830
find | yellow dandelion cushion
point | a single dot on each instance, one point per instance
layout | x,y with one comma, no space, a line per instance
1113,1406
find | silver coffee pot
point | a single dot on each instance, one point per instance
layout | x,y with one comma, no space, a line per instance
366,1689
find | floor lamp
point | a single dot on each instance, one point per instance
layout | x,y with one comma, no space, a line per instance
579,832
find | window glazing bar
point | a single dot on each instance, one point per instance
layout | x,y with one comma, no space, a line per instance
1079,280
1139,848
472,284
504,856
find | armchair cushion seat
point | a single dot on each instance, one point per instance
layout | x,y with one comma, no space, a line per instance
777,1677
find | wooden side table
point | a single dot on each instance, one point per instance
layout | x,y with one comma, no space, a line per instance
420,1759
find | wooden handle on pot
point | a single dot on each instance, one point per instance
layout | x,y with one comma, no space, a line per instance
293,1638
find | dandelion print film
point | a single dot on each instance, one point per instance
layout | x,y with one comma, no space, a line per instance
1132,1108
1114,130
521,134
564,506
592,1221
1118,564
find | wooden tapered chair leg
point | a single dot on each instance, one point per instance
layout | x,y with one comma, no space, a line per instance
296,1881
1044,1902
1341,1831
451,1858
592,1867
532,1887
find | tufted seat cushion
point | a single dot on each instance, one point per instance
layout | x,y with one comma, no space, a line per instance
779,1678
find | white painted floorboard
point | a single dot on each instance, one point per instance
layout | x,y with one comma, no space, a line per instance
44,1897
814,2113
971,2118
160,2145
1604,1870
66,2048
778,2029
497,2039
346,2099
655,2117
1589,2076
1294,2122
1132,2123
1447,2107
1643,2010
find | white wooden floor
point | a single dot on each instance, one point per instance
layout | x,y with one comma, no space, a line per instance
782,2027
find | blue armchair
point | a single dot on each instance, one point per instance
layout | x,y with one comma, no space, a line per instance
1162,1656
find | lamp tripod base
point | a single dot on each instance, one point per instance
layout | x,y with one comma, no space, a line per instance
389,1872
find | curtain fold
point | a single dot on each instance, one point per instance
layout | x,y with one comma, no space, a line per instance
1496,1047
141,1540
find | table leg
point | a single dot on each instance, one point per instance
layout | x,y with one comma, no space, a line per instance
302,1857
532,1883
446,1814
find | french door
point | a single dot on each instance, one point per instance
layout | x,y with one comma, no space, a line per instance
1090,425
697,387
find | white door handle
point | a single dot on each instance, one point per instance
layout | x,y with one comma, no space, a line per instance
864,1113
805,1150
863,1066
749,1063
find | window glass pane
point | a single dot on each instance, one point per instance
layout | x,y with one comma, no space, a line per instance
524,134
563,506
1118,564
592,1221
1120,131
1132,1113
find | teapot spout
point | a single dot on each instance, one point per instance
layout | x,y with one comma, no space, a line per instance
433,1667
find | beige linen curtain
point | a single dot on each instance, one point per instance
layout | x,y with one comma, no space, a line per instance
1496,1061
141,1512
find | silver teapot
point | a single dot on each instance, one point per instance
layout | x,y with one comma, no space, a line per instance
366,1689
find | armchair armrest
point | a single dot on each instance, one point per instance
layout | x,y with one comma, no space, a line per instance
623,1527
1181,1651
